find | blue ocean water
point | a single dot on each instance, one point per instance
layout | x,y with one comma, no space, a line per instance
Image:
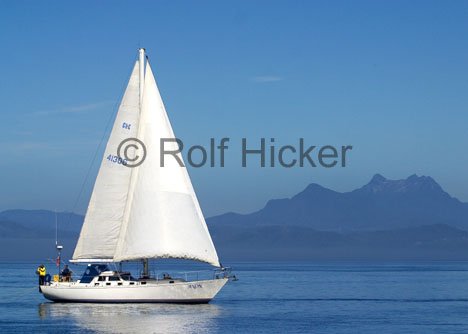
268,297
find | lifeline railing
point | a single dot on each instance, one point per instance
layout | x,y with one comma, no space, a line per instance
194,275
218,273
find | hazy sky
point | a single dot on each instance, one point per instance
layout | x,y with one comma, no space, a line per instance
388,77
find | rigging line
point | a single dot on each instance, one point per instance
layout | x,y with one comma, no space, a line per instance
113,114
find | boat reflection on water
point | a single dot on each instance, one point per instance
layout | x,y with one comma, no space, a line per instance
135,318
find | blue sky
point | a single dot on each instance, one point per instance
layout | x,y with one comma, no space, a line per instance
388,77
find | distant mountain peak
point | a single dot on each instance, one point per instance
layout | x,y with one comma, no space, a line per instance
380,184
423,182
378,178
313,190
314,187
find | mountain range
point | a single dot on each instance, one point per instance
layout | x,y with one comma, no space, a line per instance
412,218
380,204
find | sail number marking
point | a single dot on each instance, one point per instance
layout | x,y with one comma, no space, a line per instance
116,159
126,126
195,286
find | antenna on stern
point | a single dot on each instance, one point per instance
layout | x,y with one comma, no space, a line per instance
57,246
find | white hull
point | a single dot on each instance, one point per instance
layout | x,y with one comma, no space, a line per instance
151,292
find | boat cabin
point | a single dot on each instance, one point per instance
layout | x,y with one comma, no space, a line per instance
100,275
110,278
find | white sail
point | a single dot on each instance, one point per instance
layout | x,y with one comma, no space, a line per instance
101,228
163,218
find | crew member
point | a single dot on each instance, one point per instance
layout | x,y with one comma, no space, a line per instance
41,271
66,274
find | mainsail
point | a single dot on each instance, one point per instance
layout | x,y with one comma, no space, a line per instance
149,211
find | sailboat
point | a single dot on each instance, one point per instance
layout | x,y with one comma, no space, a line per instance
140,210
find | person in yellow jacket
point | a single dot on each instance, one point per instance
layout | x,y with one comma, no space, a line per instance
41,271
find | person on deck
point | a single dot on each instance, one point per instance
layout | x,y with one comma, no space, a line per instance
41,271
66,274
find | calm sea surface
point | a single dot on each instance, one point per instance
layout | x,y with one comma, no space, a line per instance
269,297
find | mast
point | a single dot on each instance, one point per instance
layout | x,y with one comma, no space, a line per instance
141,53
142,72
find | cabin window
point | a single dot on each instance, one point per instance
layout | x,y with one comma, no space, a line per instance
127,277
114,278
101,278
